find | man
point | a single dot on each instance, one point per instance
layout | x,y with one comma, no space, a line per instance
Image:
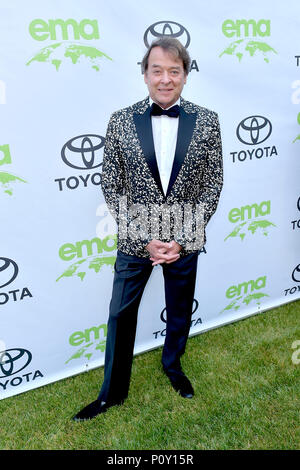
162,178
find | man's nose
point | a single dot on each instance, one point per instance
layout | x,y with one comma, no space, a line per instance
165,78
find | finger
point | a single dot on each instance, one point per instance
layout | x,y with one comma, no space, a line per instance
173,258
163,256
160,261
169,255
157,259
168,259
172,261
160,243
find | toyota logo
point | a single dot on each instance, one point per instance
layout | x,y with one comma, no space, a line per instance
8,271
82,152
298,204
13,361
296,274
162,315
254,130
167,28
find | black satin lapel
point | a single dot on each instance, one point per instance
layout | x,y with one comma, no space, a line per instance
144,130
186,127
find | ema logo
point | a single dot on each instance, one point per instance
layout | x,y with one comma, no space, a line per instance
83,152
252,131
250,45
250,221
7,179
75,52
245,293
92,261
94,337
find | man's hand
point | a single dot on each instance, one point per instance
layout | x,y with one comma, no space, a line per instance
161,252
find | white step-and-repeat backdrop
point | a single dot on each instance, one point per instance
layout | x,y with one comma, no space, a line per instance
65,66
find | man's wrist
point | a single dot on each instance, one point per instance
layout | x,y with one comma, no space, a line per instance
178,245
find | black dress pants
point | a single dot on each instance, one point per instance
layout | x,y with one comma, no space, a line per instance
130,279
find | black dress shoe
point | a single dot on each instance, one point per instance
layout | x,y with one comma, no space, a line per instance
182,385
94,409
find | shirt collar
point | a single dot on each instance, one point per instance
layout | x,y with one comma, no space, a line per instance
177,102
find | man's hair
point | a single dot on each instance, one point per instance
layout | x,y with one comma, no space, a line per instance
174,47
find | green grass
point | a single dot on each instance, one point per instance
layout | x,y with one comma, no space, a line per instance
246,397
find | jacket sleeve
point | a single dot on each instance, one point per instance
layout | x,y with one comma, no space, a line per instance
114,187
210,191
113,176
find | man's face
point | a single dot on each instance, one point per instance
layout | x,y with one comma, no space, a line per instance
165,77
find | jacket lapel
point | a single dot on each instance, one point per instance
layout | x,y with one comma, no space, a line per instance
186,127
144,130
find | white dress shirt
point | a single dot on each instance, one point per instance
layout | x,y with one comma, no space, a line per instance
165,130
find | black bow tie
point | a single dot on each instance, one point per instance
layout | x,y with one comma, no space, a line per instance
156,110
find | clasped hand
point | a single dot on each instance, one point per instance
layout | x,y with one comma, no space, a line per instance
163,252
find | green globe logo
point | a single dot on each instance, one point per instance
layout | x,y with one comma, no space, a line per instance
57,53
7,180
251,48
93,347
94,263
298,136
246,300
253,227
